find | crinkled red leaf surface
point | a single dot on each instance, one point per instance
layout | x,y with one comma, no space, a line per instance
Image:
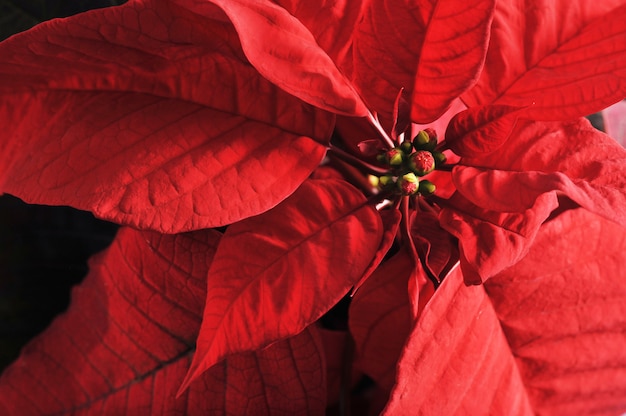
142,114
125,344
571,157
504,196
457,360
276,273
563,59
479,130
434,49
563,311
544,337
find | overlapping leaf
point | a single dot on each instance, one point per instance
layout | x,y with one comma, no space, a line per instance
563,59
284,51
332,24
456,353
276,273
563,312
434,49
149,114
479,130
380,319
129,331
125,344
505,195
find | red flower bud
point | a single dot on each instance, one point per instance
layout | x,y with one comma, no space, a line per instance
422,162
395,156
408,184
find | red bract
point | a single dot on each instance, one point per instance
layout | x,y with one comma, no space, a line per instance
291,126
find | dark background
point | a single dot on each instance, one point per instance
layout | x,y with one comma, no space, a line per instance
43,250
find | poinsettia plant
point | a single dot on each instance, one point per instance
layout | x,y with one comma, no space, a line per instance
327,204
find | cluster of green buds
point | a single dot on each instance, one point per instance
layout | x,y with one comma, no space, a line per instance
409,162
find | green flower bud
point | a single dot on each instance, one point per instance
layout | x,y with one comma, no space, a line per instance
386,182
426,140
440,159
395,156
407,147
426,187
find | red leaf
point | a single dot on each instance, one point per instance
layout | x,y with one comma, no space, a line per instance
332,23
571,158
380,319
504,199
491,241
288,377
124,343
285,52
154,130
434,49
276,273
457,360
391,221
480,130
563,311
436,247
564,59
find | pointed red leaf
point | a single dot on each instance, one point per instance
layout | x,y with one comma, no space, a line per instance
142,114
276,273
457,360
563,59
285,52
434,49
563,311
481,129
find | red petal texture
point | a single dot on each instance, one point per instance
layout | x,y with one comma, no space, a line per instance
564,59
457,360
437,249
331,22
142,115
285,52
509,193
491,241
380,319
391,222
563,311
434,49
276,273
572,158
125,344
481,129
